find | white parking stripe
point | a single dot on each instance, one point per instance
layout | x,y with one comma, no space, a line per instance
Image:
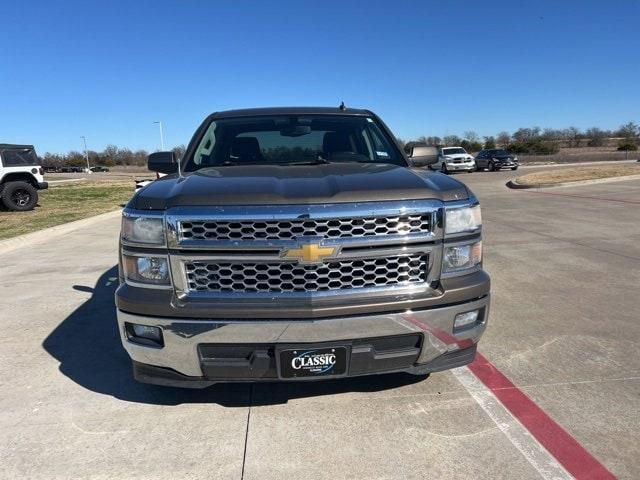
544,463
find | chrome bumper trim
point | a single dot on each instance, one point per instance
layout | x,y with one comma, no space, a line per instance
182,336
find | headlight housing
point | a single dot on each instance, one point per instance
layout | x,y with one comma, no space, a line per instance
462,219
142,230
461,258
147,270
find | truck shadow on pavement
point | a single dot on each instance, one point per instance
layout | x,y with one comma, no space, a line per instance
87,345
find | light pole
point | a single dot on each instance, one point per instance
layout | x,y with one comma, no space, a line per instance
159,122
86,153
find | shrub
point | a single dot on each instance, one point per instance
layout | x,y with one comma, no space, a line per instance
627,147
535,147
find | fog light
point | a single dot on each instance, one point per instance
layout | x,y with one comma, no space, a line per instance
465,320
144,334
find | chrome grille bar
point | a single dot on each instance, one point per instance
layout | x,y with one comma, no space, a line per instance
288,229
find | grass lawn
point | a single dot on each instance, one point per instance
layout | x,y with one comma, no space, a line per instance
578,174
66,203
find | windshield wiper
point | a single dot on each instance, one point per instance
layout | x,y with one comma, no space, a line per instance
317,161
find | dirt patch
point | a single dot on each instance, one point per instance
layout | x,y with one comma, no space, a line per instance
577,174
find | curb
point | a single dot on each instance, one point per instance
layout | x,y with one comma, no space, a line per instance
43,235
513,184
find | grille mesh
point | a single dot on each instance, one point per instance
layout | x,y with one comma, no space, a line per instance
288,229
285,277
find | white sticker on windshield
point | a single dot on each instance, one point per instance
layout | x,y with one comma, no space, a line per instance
382,154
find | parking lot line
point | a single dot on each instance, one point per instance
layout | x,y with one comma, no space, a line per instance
570,456
544,463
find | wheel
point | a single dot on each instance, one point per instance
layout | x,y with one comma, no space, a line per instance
514,168
492,167
19,196
444,169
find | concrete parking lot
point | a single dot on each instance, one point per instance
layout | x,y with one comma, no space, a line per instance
565,266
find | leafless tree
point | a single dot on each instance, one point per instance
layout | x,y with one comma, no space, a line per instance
451,140
503,138
629,130
471,136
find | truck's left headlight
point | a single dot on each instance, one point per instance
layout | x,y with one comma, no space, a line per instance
138,230
462,219
149,270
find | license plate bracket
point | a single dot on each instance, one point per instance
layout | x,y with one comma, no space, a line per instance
312,361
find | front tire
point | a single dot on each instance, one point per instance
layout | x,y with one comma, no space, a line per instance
19,196
514,168
492,167
444,169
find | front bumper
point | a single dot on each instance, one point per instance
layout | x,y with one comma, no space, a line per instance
467,167
500,165
43,185
198,353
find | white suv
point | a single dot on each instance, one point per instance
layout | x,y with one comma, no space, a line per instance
454,159
21,176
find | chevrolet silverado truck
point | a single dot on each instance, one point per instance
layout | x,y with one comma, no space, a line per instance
298,244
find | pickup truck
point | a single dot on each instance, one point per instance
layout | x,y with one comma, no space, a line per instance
298,244
454,159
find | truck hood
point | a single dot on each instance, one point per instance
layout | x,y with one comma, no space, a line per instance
302,184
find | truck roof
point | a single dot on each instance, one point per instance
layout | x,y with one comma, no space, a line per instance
249,112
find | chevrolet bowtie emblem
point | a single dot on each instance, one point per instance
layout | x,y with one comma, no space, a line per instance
310,252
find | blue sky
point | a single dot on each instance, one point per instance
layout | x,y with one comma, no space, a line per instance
107,70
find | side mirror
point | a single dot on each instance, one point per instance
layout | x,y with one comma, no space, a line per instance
162,162
424,156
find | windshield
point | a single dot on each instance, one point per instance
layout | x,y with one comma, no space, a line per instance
501,153
453,151
290,140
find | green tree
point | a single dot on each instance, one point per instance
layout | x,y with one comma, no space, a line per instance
489,142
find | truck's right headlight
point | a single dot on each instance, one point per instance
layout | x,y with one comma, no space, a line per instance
148,270
142,230
461,257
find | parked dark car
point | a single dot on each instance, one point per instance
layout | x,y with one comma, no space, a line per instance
99,168
69,169
495,159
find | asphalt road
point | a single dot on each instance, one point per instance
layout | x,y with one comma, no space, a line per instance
565,265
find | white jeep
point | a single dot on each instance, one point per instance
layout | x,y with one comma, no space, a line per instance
21,176
454,159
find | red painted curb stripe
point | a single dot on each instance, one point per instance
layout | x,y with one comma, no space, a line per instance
571,455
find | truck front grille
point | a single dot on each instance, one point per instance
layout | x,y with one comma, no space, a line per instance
288,277
289,229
